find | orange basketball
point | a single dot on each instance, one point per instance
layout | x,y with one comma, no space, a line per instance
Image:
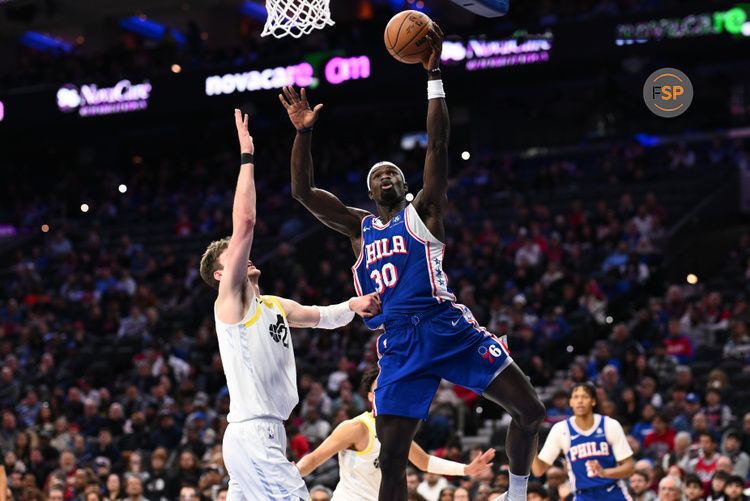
406,36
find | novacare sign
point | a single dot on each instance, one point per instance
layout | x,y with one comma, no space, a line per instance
91,100
271,78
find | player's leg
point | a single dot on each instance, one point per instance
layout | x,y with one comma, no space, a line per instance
395,434
512,391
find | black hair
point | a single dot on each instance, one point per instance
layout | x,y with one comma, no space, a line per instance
587,387
692,478
368,378
736,479
537,488
709,435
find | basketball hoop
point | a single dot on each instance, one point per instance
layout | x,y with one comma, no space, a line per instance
296,17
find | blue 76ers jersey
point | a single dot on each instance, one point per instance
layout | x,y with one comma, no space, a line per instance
403,262
586,448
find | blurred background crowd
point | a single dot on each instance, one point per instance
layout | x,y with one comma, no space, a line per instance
609,256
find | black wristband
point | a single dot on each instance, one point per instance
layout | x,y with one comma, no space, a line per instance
247,158
304,131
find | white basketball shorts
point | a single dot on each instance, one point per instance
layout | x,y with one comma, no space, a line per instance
255,457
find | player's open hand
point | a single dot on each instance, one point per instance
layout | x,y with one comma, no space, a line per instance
480,462
300,113
246,140
435,37
366,306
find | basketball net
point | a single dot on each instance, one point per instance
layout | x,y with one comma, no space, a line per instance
296,17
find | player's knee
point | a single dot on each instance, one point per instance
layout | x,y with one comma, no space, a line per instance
534,415
392,465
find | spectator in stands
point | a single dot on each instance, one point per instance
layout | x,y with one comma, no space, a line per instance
446,494
560,409
683,422
662,364
462,494
705,465
716,486
670,489
731,449
680,456
648,393
679,345
113,488
738,346
639,487
733,491
693,488
718,414
134,489
315,428
320,493
660,440
431,486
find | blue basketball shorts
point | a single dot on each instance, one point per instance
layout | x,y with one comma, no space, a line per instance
416,351
614,492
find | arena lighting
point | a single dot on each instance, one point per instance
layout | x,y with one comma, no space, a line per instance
479,54
84,208
692,279
150,29
44,43
254,10
2,111
176,68
733,21
122,188
91,100
465,155
45,228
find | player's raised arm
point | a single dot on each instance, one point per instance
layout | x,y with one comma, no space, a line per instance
431,201
234,292
330,317
322,204
440,466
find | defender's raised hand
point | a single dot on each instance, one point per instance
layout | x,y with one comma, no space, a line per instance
435,37
300,113
480,462
246,140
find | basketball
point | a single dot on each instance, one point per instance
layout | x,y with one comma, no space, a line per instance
405,36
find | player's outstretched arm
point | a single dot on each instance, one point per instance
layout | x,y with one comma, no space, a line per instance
330,317
323,204
348,434
434,464
234,293
432,199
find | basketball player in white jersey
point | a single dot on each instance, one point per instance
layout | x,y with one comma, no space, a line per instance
256,351
358,448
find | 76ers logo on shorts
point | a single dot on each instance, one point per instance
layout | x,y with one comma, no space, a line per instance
279,332
487,353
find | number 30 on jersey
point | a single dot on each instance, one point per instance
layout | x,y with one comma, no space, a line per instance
385,277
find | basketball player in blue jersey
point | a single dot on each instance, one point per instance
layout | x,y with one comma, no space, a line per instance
427,335
597,452
256,350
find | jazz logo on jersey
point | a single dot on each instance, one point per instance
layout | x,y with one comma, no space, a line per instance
384,248
588,449
279,332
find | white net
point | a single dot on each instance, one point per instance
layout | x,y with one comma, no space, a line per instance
296,17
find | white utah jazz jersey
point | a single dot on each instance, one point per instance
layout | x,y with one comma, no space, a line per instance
359,473
258,360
